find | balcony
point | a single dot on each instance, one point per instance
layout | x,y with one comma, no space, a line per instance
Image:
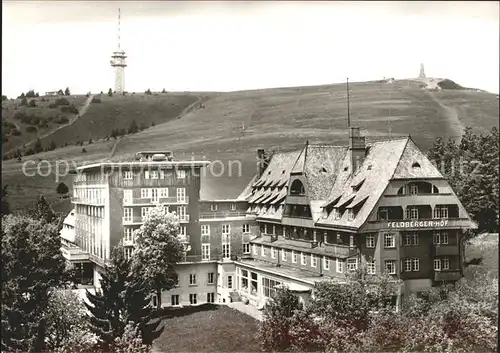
449,275
339,250
159,201
74,253
136,220
200,258
215,215
302,243
184,218
92,202
446,250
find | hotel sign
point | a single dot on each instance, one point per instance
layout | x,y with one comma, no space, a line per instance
418,224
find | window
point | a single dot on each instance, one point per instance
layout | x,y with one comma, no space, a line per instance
413,189
127,196
351,241
294,257
210,278
205,229
144,212
407,265
128,252
174,299
389,240
246,248
325,237
230,282
283,254
127,214
226,251
145,193
233,207
441,212
446,263
336,213
411,212
155,174
181,194
210,297
127,175
383,214
146,174
246,228
205,251
390,267
254,246
437,264
226,229
269,286
440,238
181,213
262,250
193,299
181,174
273,252
350,214
415,265
371,268
164,192
314,260
213,207
326,263
340,266
129,233
192,279
315,236
162,174
411,239
182,231
303,260
370,241
352,264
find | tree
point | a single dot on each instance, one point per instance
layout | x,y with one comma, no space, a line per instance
159,246
90,140
52,145
110,92
65,312
5,210
38,146
148,91
60,92
163,91
62,189
32,103
84,150
24,101
123,299
133,128
43,211
4,98
32,267
67,92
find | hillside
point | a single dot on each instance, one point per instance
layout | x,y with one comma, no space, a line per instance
231,126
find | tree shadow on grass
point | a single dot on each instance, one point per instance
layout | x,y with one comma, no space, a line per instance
168,313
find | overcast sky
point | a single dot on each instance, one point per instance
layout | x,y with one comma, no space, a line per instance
221,46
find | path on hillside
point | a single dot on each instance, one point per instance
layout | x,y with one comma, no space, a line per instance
184,112
451,113
81,111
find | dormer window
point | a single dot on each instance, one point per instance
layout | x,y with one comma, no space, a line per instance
336,213
369,167
345,169
323,170
350,214
282,172
415,165
297,188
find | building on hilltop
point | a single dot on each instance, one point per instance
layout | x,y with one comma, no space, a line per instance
307,216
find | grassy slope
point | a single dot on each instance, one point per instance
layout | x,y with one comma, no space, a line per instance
280,118
11,107
220,329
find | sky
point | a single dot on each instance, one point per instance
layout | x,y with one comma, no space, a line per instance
227,46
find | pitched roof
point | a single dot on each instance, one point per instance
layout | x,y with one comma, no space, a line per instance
412,165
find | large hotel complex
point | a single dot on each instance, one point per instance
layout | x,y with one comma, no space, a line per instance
308,215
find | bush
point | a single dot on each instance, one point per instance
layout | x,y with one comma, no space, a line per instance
24,101
96,100
61,120
31,129
32,103
84,150
69,109
15,132
110,92
52,106
61,101
148,91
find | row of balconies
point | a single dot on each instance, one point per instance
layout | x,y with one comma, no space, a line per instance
335,250
212,215
139,219
212,258
159,201
94,202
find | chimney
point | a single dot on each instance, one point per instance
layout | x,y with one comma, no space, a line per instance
261,161
357,148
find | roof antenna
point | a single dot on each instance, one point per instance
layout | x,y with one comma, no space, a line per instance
118,28
348,110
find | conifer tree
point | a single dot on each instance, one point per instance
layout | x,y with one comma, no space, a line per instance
43,211
122,300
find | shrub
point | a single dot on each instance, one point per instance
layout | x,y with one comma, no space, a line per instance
148,91
61,101
15,132
96,100
32,103
52,106
110,92
24,101
31,129
69,109
84,150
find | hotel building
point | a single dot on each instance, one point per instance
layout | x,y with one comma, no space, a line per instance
307,216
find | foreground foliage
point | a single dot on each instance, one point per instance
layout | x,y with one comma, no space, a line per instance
356,317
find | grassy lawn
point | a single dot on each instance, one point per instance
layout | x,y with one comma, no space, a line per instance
208,328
